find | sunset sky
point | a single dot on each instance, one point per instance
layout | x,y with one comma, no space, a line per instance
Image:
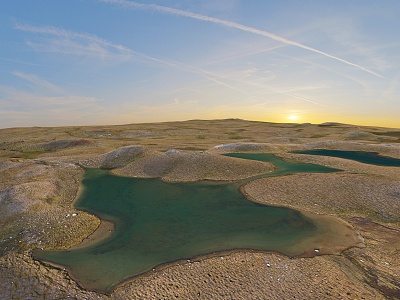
95,62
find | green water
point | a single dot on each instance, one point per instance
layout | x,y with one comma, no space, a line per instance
159,222
283,167
372,158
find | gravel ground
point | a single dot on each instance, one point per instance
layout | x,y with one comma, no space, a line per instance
39,182
374,197
184,166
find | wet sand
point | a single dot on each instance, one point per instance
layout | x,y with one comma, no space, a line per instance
334,235
102,232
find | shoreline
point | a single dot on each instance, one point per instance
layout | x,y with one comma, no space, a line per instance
102,232
186,261
326,223
106,227
370,273
328,227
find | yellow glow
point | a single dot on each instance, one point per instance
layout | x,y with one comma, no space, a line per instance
293,117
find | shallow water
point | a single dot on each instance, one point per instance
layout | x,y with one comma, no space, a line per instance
158,222
372,158
283,167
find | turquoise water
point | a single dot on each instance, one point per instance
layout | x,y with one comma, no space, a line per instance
283,167
158,222
372,158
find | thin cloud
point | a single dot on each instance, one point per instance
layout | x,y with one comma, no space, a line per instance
187,68
320,66
69,42
242,55
36,80
281,92
178,12
38,101
297,97
211,77
50,30
346,34
240,79
18,61
216,78
74,43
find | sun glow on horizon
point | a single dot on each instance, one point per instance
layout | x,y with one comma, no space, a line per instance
100,74
293,117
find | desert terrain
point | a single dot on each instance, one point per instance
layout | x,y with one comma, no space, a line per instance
41,169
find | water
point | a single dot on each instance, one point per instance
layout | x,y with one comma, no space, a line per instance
283,167
372,158
158,222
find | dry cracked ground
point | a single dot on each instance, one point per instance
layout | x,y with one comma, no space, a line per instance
41,170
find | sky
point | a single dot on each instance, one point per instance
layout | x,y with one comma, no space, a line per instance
98,62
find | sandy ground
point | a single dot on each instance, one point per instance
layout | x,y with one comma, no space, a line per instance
40,174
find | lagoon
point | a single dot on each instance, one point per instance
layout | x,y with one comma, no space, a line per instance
283,167
157,222
372,158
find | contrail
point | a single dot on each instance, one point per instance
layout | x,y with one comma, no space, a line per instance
205,74
38,81
238,56
213,77
239,26
56,31
284,93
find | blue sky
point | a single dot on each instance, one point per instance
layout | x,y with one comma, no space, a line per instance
93,62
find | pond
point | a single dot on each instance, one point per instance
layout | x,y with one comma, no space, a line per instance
157,222
283,167
372,158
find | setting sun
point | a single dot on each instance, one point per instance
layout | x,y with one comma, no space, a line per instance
293,117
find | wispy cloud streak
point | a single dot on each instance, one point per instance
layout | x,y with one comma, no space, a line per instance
242,55
178,12
37,101
88,44
38,81
69,42
216,78
70,46
18,61
209,76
